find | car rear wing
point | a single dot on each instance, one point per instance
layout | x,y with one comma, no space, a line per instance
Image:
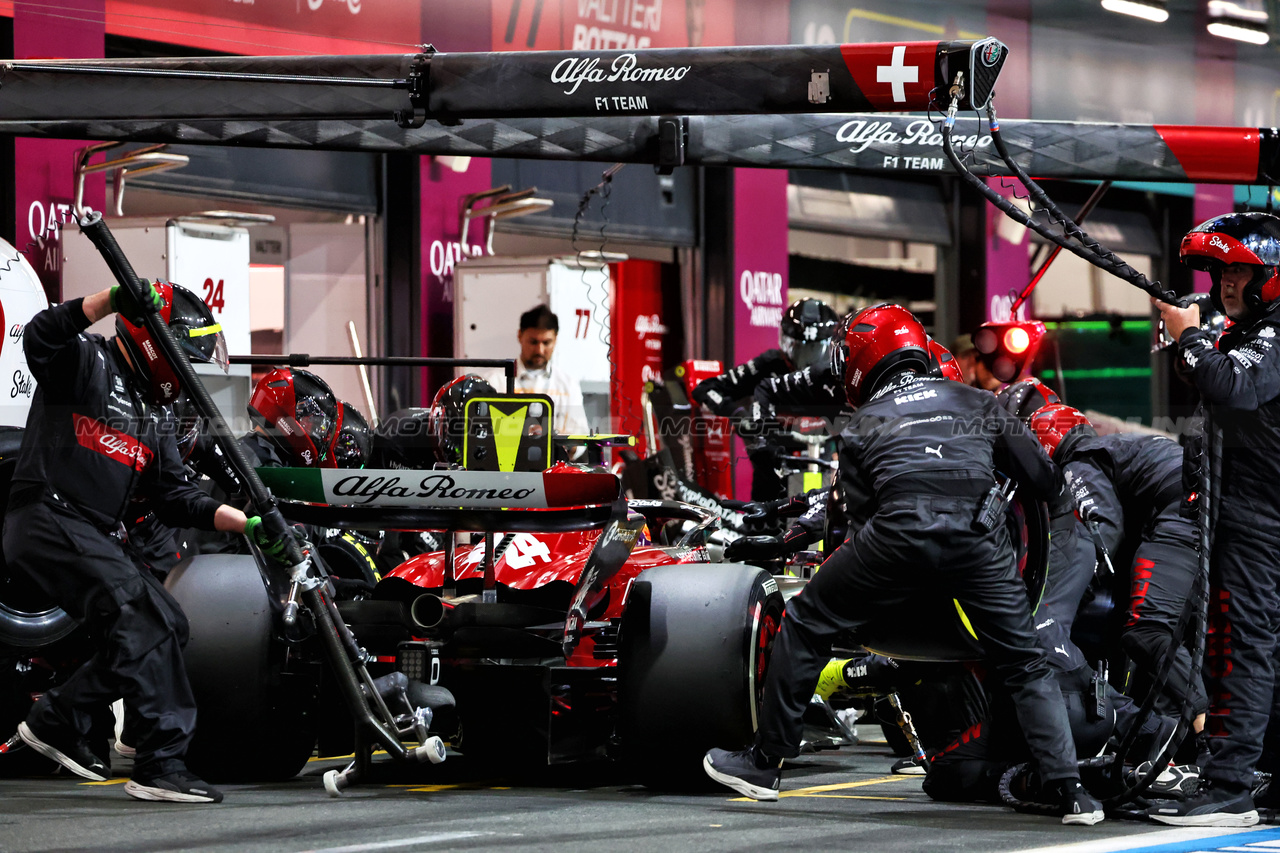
478,501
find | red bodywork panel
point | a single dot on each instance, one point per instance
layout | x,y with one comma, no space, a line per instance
713,445
533,560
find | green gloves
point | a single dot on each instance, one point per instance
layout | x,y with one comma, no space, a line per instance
274,549
122,302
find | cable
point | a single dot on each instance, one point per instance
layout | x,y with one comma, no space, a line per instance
604,189
25,250
1003,204
1104,258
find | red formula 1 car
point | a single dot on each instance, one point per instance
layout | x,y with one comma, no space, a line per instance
577,625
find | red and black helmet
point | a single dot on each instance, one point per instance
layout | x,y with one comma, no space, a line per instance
448,415
1238,238
198,333
943,363
352,439
1054,422
1025,397
297,411
871,342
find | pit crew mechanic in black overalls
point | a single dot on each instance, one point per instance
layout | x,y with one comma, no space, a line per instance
803,340
925,449
93,440
1239,381
1127,489
969,769
816,391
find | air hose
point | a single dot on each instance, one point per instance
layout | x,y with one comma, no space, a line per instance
1107,261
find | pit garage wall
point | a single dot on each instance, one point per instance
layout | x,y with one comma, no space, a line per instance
1092,68
43,186
760,269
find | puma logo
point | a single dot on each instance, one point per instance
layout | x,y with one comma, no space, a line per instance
1062,650
936,451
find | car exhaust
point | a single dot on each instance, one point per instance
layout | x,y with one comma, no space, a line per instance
428,611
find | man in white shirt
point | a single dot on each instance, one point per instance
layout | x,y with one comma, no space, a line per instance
535,373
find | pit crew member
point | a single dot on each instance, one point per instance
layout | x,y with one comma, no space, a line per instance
803,341
94,439
1127,490
926,449
1239,383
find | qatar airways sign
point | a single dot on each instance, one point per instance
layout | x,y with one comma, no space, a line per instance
762,294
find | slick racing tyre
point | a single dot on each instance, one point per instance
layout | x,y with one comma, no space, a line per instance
257,721
27,618
694,652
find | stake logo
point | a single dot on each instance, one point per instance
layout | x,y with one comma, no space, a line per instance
575,71
1217,241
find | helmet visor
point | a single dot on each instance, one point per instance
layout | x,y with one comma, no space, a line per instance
315,423
206,344
802,354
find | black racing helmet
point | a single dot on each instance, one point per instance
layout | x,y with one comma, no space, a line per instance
805,335
352,440
1238,238
448,415
188,423
1025,397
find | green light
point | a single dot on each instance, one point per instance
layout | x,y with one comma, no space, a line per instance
1101,326
1100,373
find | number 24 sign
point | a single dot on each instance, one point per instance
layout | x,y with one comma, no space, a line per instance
213,295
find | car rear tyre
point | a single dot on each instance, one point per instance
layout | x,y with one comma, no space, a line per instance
255,721
27,618
694,653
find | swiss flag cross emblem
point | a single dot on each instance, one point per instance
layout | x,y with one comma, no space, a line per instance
893,76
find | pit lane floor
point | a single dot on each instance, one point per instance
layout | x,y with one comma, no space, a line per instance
841,800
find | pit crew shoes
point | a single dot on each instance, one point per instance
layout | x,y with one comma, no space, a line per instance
1175,782
181,786
745,771
1211,806
1079,808
71,751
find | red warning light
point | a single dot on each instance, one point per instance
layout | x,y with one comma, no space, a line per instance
1016,340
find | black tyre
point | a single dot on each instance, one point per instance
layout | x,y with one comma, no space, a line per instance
695,648
257,722
27,618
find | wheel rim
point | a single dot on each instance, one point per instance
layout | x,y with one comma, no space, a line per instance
764,630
